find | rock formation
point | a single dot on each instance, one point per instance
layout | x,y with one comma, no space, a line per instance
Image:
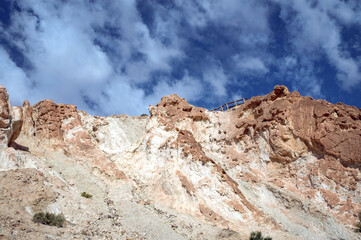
283,164
10,120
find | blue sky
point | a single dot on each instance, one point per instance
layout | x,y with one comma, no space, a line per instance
119,56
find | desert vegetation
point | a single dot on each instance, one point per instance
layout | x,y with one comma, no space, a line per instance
358,225
86,195
258,236
49,219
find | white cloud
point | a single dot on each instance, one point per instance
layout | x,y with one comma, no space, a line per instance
217,79
250,64
13,78
290,62
99,54
237,95
64,59
347,12
61,42
250,16
119,95
301,75
187,87
314,30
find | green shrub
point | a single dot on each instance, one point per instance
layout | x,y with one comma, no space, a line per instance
86,195
358,225
258,236
50,219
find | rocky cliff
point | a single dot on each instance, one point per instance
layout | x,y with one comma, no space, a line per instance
283,164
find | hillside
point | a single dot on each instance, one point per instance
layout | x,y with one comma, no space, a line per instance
283,164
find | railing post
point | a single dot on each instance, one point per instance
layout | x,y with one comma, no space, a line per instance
227,107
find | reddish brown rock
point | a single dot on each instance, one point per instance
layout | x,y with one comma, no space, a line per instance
211,216
59,127
301,124
190,146
330,197
295,127
48,118
186,183
172,109
5,107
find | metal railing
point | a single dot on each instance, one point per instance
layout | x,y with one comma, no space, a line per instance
230,105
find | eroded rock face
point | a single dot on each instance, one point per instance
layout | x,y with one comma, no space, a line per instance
282,163
5,119
310,148
11,120
49,117
300,124
172,109
5,107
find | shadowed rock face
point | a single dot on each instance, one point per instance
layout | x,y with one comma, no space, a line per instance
11,120
5,120
282,163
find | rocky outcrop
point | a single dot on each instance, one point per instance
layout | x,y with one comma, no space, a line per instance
49,119
11,120
311,147
172,109
308,147
5,117
282,163
297,125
